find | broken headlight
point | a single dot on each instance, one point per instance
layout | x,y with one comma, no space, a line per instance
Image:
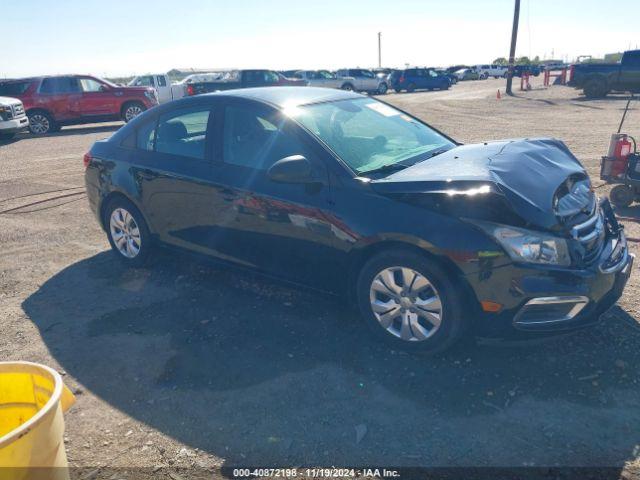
529,246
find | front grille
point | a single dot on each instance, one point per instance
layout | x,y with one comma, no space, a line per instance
590,235
18,110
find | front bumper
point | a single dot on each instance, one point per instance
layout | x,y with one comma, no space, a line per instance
551,299
14,125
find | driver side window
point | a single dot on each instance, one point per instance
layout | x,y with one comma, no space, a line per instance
90,85
253,138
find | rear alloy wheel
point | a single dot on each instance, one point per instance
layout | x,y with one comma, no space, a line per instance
347,87
622,196
131,111
127,232
41,123
382,88
411,88
410,302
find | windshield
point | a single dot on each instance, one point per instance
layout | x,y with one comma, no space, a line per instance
368,135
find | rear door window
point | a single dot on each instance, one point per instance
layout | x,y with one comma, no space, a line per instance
162,81
183,132
59,85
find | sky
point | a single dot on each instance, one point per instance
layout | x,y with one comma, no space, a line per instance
127,37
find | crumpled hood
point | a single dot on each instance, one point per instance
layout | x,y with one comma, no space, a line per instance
527,172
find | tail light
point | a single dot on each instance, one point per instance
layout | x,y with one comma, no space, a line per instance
190,90
401,79
571,71
86,160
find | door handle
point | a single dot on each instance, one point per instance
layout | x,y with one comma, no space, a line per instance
147,174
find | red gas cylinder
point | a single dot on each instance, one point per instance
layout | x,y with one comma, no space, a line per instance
621,152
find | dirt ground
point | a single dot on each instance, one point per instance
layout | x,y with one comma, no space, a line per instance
183,364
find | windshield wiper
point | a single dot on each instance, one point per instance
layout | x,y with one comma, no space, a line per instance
392,167
438,152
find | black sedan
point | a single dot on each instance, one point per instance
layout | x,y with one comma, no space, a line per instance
431,239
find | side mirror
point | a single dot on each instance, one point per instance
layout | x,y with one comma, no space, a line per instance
293,169
104,88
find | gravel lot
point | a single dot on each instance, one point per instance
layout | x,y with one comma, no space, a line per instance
183,364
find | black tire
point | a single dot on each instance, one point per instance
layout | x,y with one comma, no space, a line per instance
411,88
131,110
595,88
453,324
348,87
145,241
382,88
622,196
41,122
398,90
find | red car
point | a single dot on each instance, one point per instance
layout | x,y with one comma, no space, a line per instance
54,101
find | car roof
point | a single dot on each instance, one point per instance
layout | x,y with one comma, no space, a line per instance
282,97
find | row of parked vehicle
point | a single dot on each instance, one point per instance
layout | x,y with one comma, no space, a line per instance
45,104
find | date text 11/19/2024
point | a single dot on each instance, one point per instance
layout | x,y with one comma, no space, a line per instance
314,472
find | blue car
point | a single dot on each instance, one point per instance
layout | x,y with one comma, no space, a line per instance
413,79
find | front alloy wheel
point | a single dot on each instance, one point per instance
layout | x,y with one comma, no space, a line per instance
411,302
405,304
131,112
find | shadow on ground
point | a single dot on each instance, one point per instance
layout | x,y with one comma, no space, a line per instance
255,372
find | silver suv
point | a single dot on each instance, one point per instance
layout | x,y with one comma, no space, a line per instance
326,79
365,80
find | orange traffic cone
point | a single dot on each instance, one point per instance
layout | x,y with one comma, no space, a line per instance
498,95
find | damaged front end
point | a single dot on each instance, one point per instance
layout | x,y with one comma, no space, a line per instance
569,259
532,196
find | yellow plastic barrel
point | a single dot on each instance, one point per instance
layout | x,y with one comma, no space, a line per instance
32,401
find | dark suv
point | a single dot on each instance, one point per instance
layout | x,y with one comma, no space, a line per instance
413,79
52,102
431,239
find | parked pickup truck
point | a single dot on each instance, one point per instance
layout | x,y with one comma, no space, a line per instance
243,79
164,88
325,79
598,79
12,118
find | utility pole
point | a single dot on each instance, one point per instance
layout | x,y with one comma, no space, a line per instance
379,49
512,52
